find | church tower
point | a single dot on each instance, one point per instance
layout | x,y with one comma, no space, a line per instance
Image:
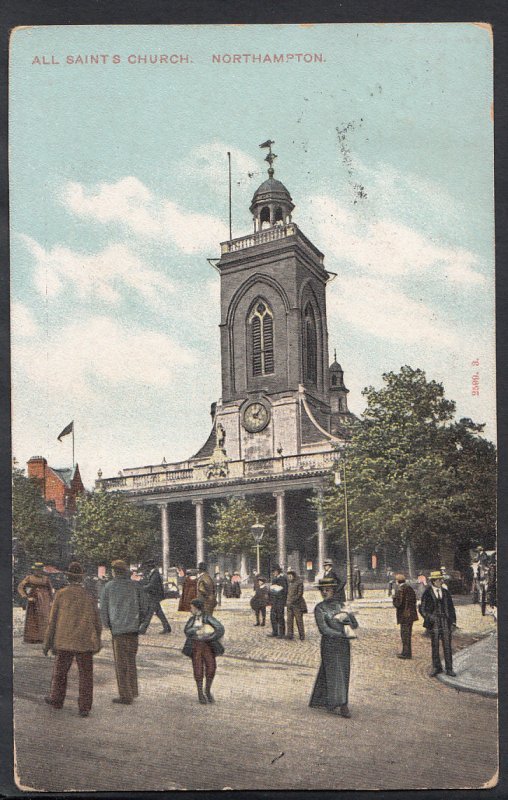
274,336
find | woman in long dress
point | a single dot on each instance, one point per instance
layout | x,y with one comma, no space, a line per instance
36,589
331,688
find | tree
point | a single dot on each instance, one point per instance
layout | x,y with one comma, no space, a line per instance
231,528
415,477
35,527
109,527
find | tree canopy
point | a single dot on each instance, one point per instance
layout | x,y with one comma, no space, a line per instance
415,476
109,527
36,527
231,528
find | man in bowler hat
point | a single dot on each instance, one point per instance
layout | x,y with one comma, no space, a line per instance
439,617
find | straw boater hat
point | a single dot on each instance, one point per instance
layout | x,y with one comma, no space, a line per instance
37,565
436,576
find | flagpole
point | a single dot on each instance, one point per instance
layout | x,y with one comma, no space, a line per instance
73,462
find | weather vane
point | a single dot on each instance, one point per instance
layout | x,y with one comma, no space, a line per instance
270,157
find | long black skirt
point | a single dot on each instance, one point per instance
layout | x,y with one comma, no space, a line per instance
331,688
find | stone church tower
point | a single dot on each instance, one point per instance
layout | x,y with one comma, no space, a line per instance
278,393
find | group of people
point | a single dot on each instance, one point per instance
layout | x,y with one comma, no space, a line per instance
285,593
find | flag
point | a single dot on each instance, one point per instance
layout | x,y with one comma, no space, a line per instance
268,143
68,429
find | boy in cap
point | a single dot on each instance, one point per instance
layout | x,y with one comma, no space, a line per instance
439,616
202,645
73,632
259,601
404,601
121,612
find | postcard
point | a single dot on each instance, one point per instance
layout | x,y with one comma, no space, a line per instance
254,419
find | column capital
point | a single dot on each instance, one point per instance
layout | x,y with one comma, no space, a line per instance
280,493
198,502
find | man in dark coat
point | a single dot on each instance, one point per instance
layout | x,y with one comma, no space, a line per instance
278,598
331,687
259,601
439,616
153,591
296,604
206,589
404,601
330,574
357,582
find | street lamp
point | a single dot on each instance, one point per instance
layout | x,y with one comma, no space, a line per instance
257,531
349,582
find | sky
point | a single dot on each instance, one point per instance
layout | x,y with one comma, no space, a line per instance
119,194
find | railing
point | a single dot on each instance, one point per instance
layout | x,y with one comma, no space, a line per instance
236,469
261,237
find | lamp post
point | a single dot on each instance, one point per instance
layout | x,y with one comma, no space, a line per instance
257,531
349,582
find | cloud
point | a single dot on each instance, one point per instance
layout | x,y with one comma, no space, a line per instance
210,162
387,247
378,310
100,276
82,358
129,203
23,323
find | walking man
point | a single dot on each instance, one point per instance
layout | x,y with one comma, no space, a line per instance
121,612
404,601
296,604
73,632
278,599
439,616
206,589
153,589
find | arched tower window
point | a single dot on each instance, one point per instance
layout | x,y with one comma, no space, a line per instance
334,380
264,217
279,216
261,334
309,346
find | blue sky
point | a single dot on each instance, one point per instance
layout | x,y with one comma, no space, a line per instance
118,176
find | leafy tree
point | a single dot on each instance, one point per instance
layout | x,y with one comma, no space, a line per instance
35,527
109,527
415,477
231,528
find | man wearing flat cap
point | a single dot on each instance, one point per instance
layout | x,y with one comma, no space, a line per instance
73,632
439,616
404,601
122,610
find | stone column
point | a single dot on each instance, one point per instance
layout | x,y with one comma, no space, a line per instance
165,539
281,529
321,554
200,530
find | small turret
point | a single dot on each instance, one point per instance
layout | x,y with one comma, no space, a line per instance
272,203
337,388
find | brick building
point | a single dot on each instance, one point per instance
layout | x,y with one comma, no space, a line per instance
59,487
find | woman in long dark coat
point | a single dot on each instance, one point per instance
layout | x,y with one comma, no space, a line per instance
36,589
331,688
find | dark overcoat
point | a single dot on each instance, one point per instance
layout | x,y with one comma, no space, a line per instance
428,608
404,601
278,599
331,688
154,587
213,641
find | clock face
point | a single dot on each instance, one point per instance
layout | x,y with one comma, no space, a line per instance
256,417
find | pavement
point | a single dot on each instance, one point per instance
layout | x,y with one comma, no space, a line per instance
406,731
476,668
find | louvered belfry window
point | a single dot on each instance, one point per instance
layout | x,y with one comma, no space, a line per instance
261,324
310,346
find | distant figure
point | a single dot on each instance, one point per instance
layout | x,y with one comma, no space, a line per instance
73,632
202,645
278,598
259,601
439,616
36,589
331,688
206,589
404,601
218,587
227,585
357,582
122,609
189,590
390,577
492,584
236,589
153,589
329,572
296,605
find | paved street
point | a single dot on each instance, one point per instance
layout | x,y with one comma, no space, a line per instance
407,730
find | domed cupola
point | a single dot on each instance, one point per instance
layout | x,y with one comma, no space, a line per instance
272,203
337,388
